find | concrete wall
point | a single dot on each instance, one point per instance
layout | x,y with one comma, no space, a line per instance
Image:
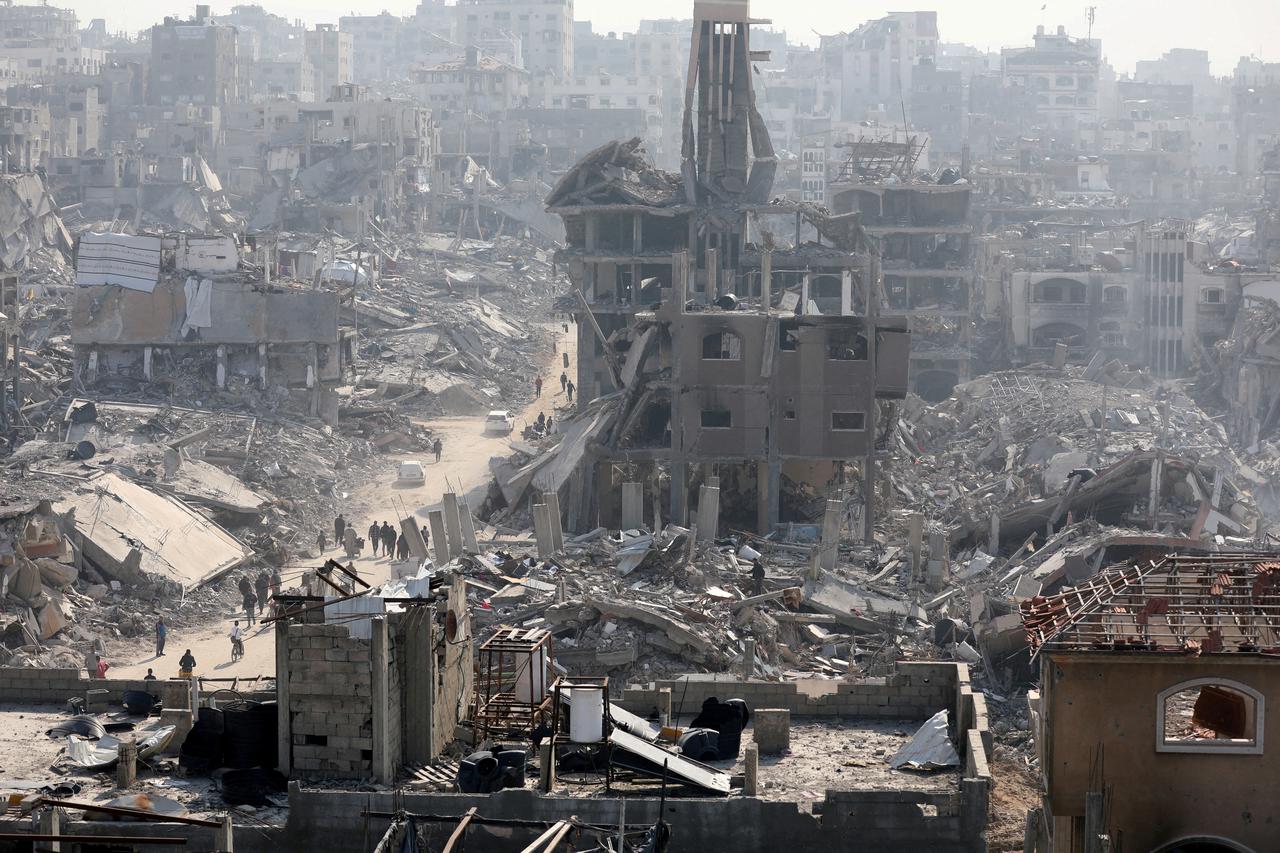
56,686
330,702
1158,797
242,314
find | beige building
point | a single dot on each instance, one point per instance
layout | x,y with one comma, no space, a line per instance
545,27
330,52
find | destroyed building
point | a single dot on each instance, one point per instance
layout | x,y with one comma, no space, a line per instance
1180,652
699,246
925,242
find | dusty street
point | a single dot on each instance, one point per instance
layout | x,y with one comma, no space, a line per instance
464,468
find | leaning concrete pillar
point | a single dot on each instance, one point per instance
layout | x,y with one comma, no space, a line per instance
542,531
439,536
469,541
553,521
831,534
632,505
453,523
708,513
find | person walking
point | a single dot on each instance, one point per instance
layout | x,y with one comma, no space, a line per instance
250,600
162,633
426,536
374,537
349,542
438,448
186,665
564,381
262,586
103,666
569,390
321,542
339,528
237,642
388,539
402,548
549,425
537,386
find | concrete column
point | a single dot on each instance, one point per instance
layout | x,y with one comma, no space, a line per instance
91,369
419,678
831,523
846,293
554,520
915,541
708,513
542,531
284,720
713,275
632,505
126,765
805,284
469,540
546,767
453,523
51,824
766,280
224,837
262,366
993,540
220,355
413,535
439,536
768,482
750,771
680,279
749,658
380,661
146,362
679,493
562,591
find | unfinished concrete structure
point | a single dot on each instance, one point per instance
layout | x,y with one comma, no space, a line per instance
1181,654
363,695
762,353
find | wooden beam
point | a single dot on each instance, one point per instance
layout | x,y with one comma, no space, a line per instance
459,830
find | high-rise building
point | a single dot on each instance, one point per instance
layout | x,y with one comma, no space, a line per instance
331,55
545,26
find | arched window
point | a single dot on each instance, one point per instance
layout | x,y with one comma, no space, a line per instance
1210,715
722,346
1115,294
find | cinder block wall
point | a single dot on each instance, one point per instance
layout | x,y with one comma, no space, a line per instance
56,686
330,702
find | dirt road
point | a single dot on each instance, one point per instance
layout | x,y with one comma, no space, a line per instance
463,468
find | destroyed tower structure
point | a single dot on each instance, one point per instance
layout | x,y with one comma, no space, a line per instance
765,365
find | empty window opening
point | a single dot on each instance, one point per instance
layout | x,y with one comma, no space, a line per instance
848,421
716,419
722,346
1212,295
1208,715
1115,294
846,346
789,414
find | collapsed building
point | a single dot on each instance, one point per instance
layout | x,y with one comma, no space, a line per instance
774,356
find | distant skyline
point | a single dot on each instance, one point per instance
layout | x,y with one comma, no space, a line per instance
1130,30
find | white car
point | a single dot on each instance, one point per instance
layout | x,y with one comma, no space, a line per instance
500,422
411,473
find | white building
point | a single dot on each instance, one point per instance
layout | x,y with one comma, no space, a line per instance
545,28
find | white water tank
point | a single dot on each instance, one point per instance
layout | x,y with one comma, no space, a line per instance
586,715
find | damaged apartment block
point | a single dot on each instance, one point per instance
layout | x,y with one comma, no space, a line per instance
745,358
183,309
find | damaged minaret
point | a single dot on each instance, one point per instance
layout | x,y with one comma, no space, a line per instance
728,156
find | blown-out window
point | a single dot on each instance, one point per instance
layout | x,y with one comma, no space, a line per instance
1210,715
722,346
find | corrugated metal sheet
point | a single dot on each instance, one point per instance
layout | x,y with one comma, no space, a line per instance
929,748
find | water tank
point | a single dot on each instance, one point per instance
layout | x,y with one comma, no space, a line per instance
586,715
531,680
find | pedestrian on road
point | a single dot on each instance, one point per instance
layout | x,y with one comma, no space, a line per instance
103,666
263,588
249,601
349,542
537,385
374,537
548,426
150,676
564,380
402,548
566,327
162,632
339,527
426,537
757,577
237,641
186,665
569,390
388,539
438,448
244,585
321,542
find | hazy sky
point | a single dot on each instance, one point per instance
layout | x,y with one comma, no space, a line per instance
1130,29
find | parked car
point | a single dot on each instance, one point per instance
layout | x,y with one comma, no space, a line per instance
411,473
499,422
